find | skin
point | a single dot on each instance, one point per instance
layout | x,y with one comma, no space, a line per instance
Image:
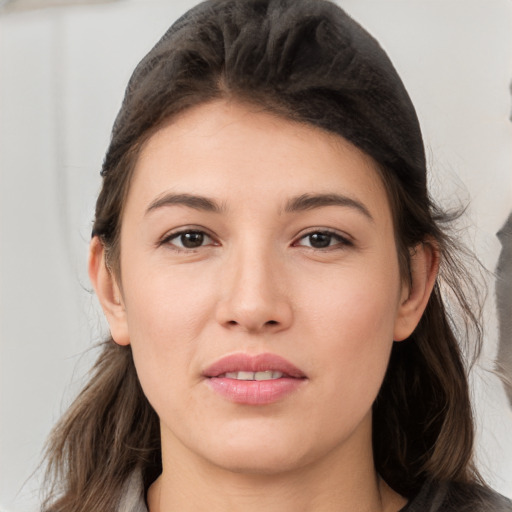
257,285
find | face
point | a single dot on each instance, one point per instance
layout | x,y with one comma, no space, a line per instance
259,288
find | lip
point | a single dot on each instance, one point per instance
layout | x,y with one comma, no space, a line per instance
253,363
251,392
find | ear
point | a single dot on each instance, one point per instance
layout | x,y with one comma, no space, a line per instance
108,292
424,265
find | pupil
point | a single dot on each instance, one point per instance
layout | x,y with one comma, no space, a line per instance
319,240
192,240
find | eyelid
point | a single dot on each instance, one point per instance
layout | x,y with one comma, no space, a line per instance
344,239
175,233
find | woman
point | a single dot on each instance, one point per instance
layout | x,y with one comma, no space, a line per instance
270,265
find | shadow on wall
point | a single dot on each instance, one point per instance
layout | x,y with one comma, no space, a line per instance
504,307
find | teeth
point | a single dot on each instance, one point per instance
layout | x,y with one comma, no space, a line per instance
244,376
267,375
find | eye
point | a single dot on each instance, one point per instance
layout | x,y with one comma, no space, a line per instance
322,240
189,239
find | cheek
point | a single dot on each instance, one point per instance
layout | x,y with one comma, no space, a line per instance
353,325
359,302
166,301
166,313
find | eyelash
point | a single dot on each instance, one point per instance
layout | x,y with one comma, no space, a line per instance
167,240
340,241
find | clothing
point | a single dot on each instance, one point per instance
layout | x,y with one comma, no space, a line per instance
452,497
133,499
433,497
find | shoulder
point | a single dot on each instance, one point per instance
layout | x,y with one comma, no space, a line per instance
457,497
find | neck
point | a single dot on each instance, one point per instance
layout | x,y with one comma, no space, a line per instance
340,481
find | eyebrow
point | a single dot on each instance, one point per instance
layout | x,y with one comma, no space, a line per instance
312,201
190,200
295,204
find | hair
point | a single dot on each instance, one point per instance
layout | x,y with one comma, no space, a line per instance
309,62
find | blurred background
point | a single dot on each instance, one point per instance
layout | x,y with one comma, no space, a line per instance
63,68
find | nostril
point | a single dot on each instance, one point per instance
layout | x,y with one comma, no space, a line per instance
272,322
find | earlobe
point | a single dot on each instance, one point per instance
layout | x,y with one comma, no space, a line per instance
424,265
108,292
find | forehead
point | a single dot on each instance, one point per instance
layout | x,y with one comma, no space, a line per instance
234,151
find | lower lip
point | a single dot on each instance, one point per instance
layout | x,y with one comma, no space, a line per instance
254,392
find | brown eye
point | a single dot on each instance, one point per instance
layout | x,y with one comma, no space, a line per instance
192,240
189,239
322,240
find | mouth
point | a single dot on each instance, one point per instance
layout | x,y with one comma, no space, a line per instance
259,376
258,367
254,380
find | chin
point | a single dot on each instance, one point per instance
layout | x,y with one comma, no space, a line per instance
259,464
261,455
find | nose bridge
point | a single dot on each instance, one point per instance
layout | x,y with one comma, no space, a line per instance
252,295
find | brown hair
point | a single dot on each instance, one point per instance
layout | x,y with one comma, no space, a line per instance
308,61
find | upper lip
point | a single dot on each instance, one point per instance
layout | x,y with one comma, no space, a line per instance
242,362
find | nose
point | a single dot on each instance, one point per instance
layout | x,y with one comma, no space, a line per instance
253,293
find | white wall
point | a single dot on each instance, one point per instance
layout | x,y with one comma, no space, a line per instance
62,75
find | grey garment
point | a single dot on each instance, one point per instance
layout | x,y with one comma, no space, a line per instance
504,307
433,497
132,499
